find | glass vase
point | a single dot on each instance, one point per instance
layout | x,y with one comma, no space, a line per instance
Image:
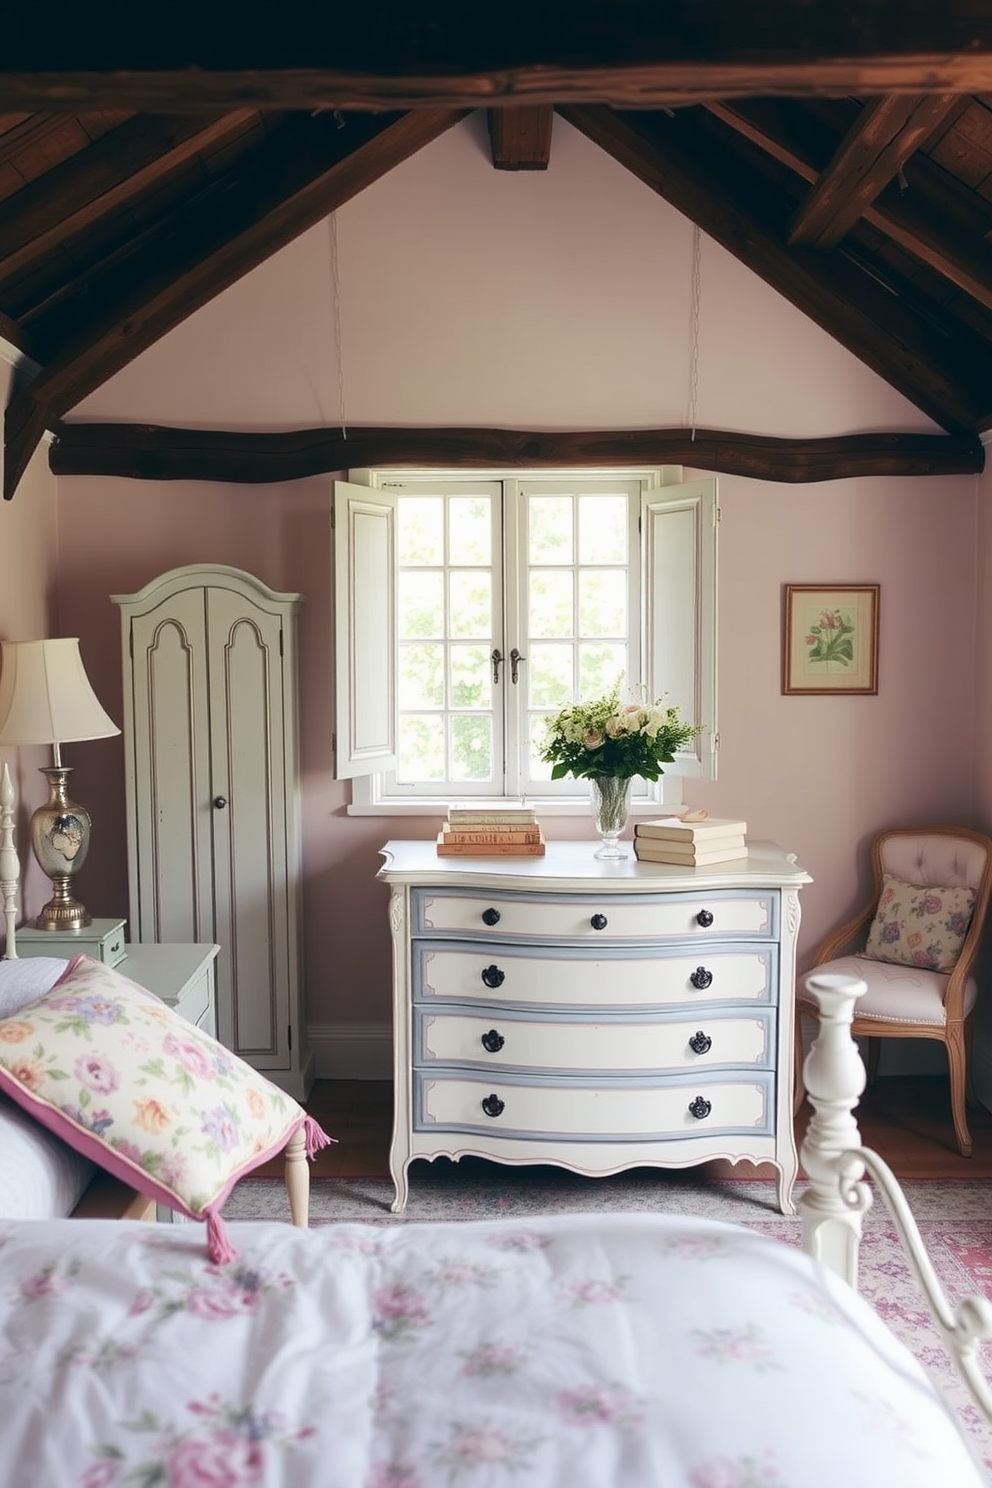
610,796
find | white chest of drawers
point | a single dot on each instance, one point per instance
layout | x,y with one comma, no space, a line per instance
594,1016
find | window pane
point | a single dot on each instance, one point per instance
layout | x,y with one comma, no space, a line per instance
420,529
471,604
421,676
599,668
603,529
549,529
537,769
552,603
550,671
420,604
603,602
470,530
421,747
471,747
471,677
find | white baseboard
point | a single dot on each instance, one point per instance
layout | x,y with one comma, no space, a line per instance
351,1051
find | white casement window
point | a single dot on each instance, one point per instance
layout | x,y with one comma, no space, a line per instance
469,607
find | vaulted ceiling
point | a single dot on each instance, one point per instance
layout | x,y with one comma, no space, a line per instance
843,153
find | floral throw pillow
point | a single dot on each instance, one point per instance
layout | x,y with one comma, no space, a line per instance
919,926
123,1079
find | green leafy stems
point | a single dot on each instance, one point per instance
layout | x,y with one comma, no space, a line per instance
610,737
832,639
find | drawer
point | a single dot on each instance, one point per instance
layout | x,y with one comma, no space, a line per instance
572,976
499,916
193,1002
597,1045
101,940
605,1111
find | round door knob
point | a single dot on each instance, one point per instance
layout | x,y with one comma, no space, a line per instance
493,1041
701,978
599,922
490,916
220,802
493,1106
700,1108
492,976
704,918
700,1043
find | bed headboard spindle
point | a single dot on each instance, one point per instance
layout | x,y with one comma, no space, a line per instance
9,864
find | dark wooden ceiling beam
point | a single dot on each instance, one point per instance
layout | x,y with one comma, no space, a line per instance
887,132
391,55
75,194
144,452
746,213
178,271
915,224
520,138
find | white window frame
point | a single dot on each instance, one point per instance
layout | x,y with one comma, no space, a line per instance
678,586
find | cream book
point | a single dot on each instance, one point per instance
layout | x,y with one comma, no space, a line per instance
491,813
447,849
492,834
674,829
661,852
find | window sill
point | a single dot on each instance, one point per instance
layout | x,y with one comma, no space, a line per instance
548,807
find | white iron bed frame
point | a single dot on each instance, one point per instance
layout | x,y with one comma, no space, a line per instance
296,1170
835,1203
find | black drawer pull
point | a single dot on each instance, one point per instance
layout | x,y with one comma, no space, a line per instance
700,1108
493,1041
704,918
493,1106
598,922
701,978
700,1043
492,976
490,916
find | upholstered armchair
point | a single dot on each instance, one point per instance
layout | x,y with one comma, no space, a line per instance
914,945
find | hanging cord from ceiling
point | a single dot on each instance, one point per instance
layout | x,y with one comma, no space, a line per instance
694,355
332,222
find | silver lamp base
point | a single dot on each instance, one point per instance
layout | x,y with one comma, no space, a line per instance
60,836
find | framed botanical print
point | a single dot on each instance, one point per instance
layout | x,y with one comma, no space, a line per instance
830,638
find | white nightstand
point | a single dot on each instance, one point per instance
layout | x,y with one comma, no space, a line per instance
184,976
103,940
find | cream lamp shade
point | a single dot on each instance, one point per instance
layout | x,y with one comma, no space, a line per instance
46,698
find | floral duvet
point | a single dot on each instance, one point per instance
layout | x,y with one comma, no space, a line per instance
585,1351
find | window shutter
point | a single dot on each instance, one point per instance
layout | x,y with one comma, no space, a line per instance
364,629
678,533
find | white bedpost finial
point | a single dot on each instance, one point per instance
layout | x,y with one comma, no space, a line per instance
834,1074
9,866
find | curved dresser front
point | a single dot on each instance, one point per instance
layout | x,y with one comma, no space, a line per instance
597,1017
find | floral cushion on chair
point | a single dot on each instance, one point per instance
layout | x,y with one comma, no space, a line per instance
919,926
123,1079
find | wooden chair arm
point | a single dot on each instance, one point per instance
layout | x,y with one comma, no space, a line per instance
839,939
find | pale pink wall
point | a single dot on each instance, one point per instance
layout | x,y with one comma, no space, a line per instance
557,299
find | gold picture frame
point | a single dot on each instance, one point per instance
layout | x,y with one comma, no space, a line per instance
830,639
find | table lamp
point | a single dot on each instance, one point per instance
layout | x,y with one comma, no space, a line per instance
46,698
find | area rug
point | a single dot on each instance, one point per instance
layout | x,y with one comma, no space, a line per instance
955,1219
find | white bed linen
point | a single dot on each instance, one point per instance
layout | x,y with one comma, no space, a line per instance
40,1177
626,1351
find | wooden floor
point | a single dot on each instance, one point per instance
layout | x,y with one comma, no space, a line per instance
907,1120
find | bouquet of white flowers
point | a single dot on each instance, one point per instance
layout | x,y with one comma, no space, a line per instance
608,737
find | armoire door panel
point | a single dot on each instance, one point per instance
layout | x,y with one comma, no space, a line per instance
173,831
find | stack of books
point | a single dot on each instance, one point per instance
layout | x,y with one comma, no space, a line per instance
693,844
487,829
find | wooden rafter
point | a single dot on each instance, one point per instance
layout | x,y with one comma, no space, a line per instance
155,453
62,203
190,258
520,138
902,218
747,213
887,132
631,53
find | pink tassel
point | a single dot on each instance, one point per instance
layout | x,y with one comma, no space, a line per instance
316,1137
219,1245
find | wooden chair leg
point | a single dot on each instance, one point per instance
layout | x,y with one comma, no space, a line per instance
297,1176
957,1068
798,1087
874,1057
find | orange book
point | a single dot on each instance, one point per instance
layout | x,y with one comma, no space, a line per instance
492,836
450,849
